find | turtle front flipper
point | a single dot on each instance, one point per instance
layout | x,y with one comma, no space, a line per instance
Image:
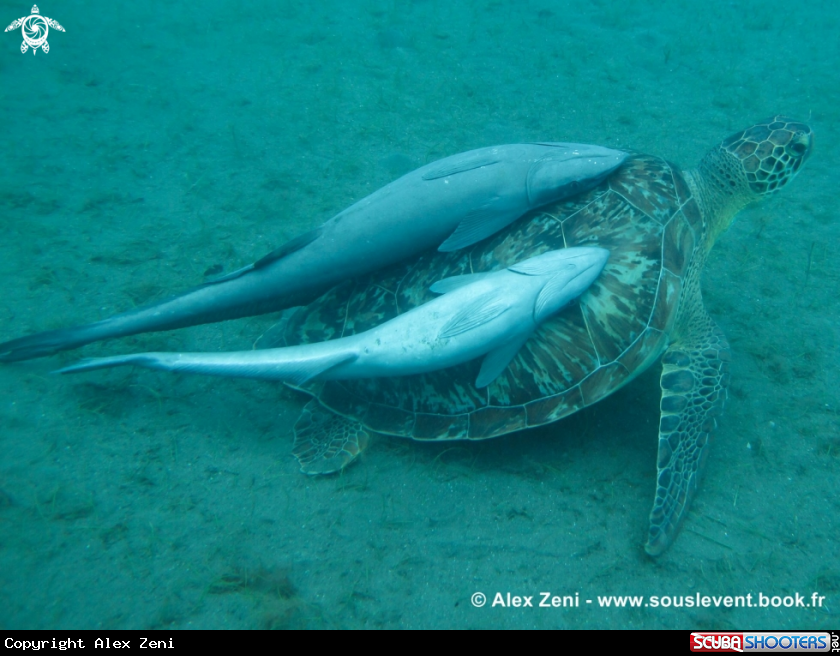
326,443
695,374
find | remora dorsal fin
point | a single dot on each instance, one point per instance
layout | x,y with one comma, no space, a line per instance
278,253
483,309
461,163
446,285
496,361
289,247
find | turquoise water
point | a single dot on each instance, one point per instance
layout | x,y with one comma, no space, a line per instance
157,141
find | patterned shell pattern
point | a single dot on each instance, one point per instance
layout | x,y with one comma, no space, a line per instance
644,214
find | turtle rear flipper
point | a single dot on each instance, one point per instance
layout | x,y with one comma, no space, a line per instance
695,374
326,443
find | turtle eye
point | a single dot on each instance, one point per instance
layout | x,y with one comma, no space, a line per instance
797,149
797,146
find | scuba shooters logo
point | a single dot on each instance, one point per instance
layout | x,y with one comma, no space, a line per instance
753,641
35,29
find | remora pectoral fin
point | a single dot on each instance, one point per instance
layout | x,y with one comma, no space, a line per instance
446,285
483,309
479,224
497,360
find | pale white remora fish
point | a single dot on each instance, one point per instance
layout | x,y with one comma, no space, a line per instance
490,314
449,204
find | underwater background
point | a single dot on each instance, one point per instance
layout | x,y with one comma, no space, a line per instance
158,142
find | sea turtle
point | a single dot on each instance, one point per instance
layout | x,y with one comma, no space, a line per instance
35,29
659,224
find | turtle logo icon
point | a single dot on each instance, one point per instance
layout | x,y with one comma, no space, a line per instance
35,29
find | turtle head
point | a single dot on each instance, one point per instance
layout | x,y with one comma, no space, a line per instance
747,166
771,152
